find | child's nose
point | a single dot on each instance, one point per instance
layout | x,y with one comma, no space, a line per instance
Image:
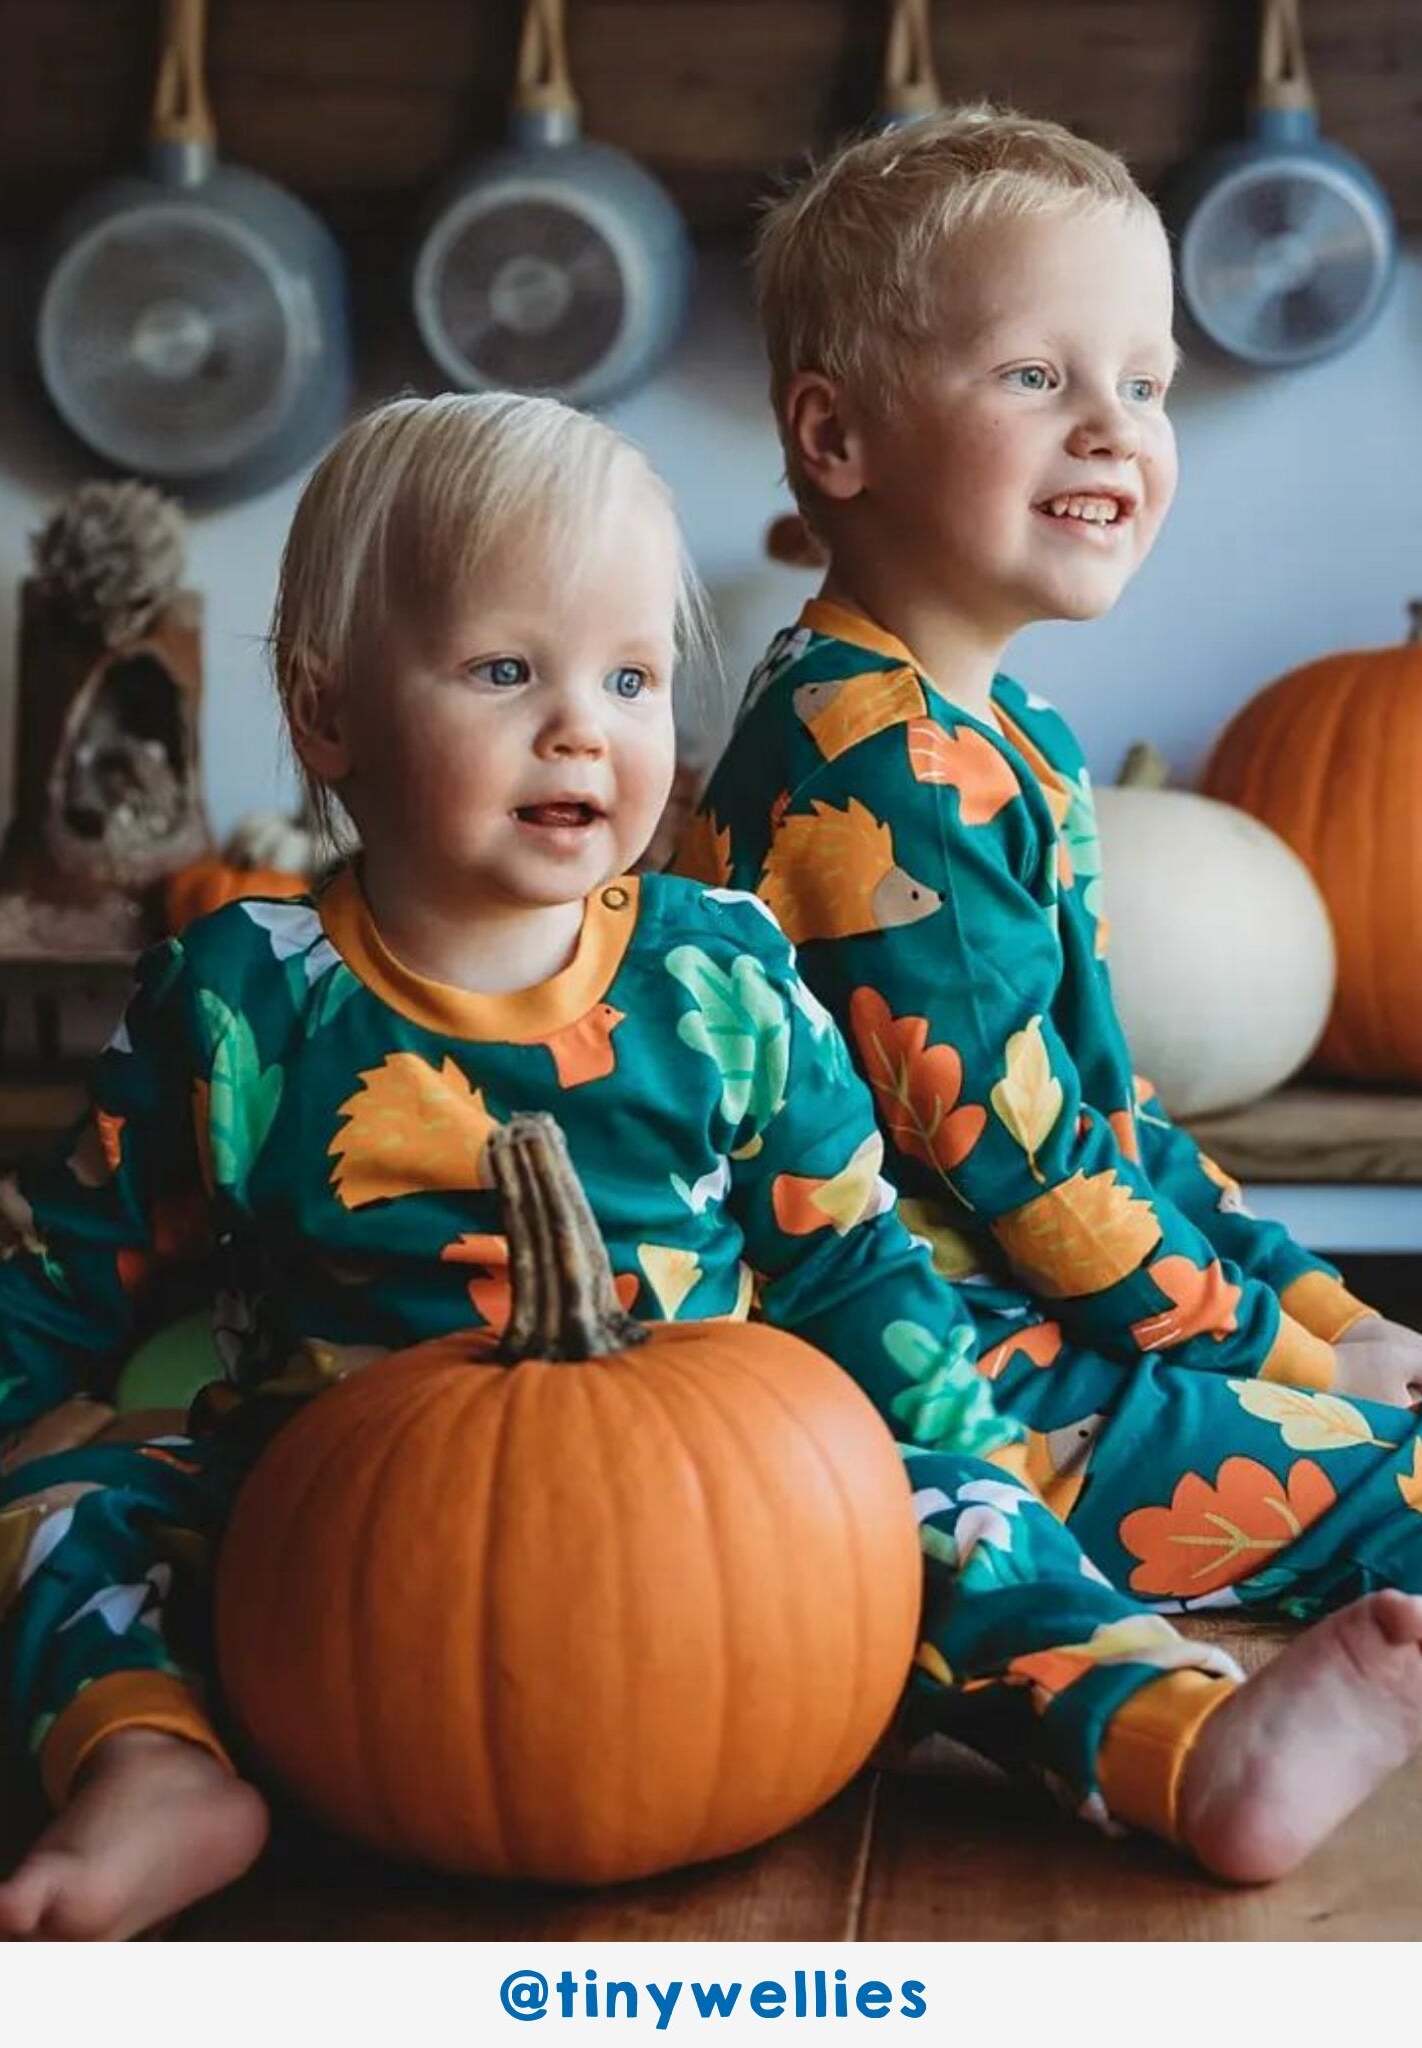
574,727
1107,430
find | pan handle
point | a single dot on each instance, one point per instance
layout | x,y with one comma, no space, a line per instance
182,114
1284,84
544,90
910,81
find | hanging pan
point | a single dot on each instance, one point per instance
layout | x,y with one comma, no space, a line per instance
910,82
192,321
1285,242
557,264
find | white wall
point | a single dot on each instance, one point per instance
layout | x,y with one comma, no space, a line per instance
1298,529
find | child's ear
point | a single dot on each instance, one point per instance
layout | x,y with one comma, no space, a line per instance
824,436
318,731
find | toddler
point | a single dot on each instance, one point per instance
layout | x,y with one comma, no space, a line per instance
477,624
969,331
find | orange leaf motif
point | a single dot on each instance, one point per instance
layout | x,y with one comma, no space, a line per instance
1213,1536
1123,1126
412,1128
1409,1485
703,852
1080,1236
1041,1342
966,761
490,1289
917,1085
1204,1301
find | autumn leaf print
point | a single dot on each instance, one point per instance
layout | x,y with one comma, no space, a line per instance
965,760
1213,1536
804,1204
489,1284
843,710
915,1086
1202,1301
1306,1421
703,852
413,1128
1083,1235
946,1405
243,1096
831,874
672,1272
1054,785
1028,1099
1409,1484
1123,1130
97,1156
741,1022
1041,1343
583,1050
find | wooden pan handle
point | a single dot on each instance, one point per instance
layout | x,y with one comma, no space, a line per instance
1283,67
181,112
545,85
910,81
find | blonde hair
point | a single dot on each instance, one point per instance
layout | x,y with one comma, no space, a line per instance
850,265
394,519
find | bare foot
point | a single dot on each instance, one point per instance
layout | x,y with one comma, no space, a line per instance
1304,1741
154,1823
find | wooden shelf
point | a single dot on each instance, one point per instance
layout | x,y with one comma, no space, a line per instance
1317,1134
363,105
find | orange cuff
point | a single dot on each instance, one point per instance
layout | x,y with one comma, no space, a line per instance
1148,1743
1298,1357
124,1699
1323,1305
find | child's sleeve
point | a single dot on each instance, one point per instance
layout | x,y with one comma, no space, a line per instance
1311,1290
835,1264
82,1231
926,881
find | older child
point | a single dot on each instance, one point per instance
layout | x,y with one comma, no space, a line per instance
969,331
474,641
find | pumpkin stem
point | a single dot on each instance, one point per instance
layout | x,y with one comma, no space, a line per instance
565,1305
1144,767
1414,618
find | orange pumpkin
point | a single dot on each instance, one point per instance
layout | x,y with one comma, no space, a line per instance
205,885
580,1604
1328,757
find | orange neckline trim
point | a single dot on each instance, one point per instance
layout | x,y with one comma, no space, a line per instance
842,622
521,1017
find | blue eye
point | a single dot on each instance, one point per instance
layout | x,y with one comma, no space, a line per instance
628,683
1030,377
505,671
1141,390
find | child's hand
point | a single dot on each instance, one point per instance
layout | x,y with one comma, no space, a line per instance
1378,1360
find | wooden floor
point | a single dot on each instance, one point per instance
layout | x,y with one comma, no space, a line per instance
966,1856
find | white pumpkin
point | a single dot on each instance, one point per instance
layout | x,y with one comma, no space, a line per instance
1221,952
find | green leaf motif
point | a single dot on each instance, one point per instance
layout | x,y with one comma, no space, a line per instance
244,1095
741,1023
949,1405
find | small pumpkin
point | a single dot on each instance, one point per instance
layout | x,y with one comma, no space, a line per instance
207,884
585,1602
1221,951
1327,757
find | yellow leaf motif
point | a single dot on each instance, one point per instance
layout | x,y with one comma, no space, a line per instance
412,1129
1080,1236
672,1273
1307,1422
804,1204
1410,1485
1028,1098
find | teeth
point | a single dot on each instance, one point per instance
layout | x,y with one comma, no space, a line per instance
1095,511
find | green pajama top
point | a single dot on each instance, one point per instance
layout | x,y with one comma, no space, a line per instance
941,877
284,1088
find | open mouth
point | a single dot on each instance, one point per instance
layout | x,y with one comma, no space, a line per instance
561,816
1089,508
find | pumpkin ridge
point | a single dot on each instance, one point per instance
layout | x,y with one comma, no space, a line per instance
490,1591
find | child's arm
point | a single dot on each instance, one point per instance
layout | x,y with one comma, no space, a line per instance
836,1265
1310,1289
81,1232
945,962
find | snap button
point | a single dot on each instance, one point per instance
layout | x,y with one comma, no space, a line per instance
616,898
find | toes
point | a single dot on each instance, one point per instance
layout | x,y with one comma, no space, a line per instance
1398,1616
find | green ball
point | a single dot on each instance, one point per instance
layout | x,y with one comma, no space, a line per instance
168,1370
